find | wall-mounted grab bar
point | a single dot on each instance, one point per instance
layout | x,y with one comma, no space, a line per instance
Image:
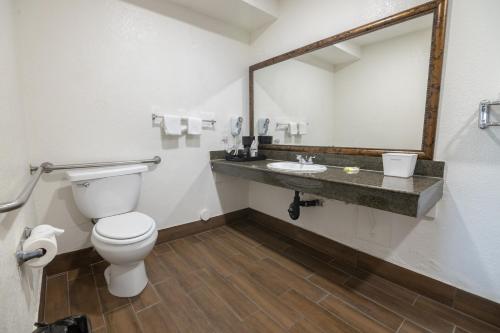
24,195
47,167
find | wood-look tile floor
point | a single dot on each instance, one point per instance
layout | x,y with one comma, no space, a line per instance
246,279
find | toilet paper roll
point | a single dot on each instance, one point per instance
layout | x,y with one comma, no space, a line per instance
47,243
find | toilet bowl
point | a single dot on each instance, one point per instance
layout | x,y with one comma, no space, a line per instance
124,241
122,236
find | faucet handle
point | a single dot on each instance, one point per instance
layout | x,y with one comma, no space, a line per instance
310,159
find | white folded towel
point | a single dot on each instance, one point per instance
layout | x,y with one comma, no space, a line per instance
292,128
172,125
302,127
194,126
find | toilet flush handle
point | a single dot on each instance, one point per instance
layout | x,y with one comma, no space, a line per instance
86,184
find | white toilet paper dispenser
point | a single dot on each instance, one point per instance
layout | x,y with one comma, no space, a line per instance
43,231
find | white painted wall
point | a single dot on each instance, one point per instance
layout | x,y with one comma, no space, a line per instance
391,75
461,246
296,91
19,288
90,73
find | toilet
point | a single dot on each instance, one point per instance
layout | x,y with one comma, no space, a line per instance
120,235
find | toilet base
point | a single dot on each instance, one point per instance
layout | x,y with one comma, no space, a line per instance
126,280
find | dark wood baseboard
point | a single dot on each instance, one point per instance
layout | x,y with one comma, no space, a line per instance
43,289
84,257
461,300
187,229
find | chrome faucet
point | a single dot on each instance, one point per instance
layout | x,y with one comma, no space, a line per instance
308,159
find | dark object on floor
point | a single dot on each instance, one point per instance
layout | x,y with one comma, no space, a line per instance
265,139
72,324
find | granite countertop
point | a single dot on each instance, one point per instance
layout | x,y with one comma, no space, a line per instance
365,178
412,196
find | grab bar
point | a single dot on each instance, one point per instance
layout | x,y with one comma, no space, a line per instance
24,195
47,167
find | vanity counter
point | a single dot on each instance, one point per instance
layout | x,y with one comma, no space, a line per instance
412,196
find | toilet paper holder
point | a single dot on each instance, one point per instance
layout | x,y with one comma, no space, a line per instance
23,256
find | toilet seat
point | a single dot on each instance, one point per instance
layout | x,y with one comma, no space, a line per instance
124,229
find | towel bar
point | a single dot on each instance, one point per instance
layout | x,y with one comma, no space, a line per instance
211,121
484,114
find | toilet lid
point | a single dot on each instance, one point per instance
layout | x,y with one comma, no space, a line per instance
124,226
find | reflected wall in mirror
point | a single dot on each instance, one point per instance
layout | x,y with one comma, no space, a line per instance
371,92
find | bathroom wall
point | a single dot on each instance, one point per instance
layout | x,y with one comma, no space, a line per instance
386,116
326,98
92,72
296,91
19,288
460,245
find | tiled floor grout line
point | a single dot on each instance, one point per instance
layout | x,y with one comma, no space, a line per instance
151,305
340,318
307,278
400,325
137,319
322,298
359,310
373,301
98,296
226,303
403,317
146,307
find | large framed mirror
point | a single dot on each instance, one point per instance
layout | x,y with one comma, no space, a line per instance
365,91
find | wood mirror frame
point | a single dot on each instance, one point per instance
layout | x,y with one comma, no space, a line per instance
438,8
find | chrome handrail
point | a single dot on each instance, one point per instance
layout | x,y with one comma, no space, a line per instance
47,167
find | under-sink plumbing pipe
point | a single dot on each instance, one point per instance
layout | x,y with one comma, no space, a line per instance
294,208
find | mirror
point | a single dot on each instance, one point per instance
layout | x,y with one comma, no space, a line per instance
369,93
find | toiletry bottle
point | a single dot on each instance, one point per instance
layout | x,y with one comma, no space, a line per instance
254,149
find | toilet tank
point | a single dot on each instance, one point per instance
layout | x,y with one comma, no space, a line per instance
102,192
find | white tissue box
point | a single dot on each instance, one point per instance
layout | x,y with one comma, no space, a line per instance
399,164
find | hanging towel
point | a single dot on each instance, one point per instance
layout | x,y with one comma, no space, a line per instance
194,126
292,128
302,127
172,125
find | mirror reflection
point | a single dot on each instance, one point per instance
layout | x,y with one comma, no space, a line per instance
369,91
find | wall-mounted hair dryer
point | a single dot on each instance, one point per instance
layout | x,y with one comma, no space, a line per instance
236,125
263,126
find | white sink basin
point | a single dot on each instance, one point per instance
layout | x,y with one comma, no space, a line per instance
296,167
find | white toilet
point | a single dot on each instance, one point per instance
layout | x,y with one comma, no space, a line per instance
121,236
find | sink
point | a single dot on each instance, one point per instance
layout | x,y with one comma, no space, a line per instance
296,167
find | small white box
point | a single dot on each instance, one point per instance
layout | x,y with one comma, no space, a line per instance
399,164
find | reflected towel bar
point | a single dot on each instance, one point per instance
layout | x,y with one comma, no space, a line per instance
211,121
484,114
47,167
